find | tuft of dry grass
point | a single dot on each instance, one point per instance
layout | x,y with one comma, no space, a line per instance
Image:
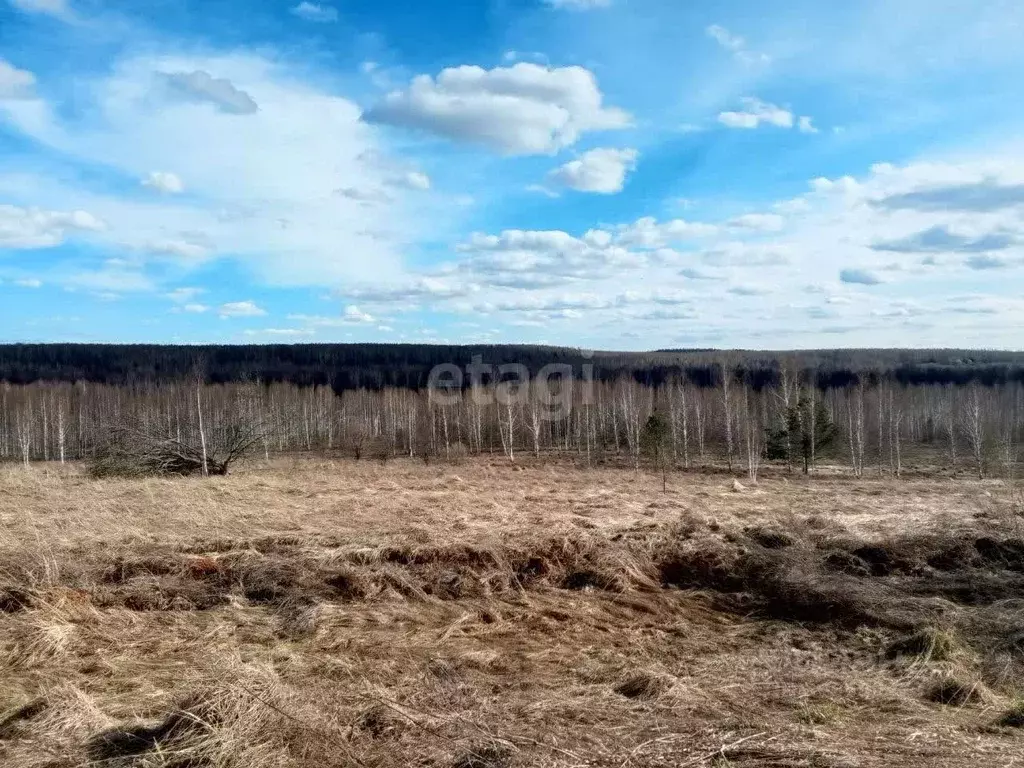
955,691
1014,716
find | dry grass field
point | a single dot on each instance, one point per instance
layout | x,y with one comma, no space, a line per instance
320,613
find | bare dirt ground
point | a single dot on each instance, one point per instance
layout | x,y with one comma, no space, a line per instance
320,613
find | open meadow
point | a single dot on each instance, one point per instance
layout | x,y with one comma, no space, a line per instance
313,612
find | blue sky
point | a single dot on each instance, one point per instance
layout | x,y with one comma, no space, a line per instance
624,174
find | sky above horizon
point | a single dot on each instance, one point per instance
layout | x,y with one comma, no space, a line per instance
615,174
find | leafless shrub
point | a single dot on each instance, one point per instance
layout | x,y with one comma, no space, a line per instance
130,452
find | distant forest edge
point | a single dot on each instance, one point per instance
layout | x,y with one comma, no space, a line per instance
346,367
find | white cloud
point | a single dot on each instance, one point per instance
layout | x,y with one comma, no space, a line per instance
647,232
355,315
415,180
423,289
352,315
202,87
286,332
749,290
759,222
240,309
164,182
184,294
15,83
579,5
806,125
520,110
736,45
29,283
756,112
178,248
57,8
197,309
540,189
599,170
322,14
383,192
691,273
986,261
535,259
278,218
366,195
34,228
840,237
742,254
845,184
725,38
860,277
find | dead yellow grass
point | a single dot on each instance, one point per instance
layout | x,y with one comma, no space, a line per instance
317,613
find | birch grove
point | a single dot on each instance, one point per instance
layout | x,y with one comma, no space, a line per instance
898,429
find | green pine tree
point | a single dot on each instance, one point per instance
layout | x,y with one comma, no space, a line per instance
805,430
654,443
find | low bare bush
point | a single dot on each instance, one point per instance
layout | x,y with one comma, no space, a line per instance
135,453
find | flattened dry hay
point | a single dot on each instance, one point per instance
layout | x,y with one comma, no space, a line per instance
350,614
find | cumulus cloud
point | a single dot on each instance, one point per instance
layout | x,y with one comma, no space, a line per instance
754,113
583,283
986,261
164,182
806,125
34,228
182,249
196,309
599,170
647,232
542,258
860,277
321,14
15,83
278,218
184,294
845,184
742,254
749,290
940,239
736,45
354,314
240,309
366,195
692,273
414,180
200,86
520,110
350,316
426,288
759,222
981,196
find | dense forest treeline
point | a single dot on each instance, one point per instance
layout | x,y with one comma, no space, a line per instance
350,367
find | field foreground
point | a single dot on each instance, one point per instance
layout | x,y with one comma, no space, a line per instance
314,613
